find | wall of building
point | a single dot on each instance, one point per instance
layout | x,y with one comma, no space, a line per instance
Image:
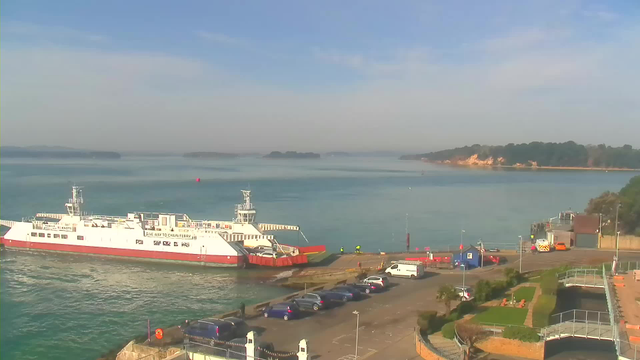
626,242
510,347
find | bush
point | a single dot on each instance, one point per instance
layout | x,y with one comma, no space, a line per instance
543,309
465,308
498,287
512,277
525,334
448,330
454,316
483,291
426,320
549,284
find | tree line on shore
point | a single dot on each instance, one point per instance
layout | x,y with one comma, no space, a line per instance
627,204
567,154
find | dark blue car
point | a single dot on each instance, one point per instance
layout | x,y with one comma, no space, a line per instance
286,310
215,329
342,293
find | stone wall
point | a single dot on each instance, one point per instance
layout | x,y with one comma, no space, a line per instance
510,347
626,242
134,351
423,350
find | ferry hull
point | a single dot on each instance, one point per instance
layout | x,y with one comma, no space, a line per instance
196,259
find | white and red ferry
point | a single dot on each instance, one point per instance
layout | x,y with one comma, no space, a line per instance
152,236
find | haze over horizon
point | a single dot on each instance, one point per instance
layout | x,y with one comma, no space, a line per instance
353,76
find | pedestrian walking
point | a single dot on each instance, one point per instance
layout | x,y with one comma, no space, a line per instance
342,250
533,249
242,310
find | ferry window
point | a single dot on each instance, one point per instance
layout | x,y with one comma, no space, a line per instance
139,242
80,237
34,234
166,243
157,242
64,236
56,236
48,235
40,234
185,244
175,243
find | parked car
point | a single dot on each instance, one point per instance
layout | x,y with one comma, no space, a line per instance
381,280
240,327
342,293
494,250
311,301
267,253
214,329
561,246
285,310
410,269
367,288
465,292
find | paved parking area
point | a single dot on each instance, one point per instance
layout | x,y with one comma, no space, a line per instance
388,319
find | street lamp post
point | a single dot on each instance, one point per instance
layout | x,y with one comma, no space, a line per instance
481,253
520,254
464,268
616,230
357,330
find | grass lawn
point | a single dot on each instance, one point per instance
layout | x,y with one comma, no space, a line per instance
526,293
502,315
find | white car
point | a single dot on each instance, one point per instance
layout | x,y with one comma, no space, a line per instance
381,280
465,292
267,253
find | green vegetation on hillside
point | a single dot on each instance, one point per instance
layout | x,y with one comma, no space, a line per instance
567,154
292,155
628,214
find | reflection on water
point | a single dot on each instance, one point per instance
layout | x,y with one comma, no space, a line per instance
580,349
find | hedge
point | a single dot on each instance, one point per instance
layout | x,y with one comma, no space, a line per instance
465,308
542,310
448,330
521,333
427,320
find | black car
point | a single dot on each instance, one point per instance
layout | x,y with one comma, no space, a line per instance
312,301
367,288
342,293
240,327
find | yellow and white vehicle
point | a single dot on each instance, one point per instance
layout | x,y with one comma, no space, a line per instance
543,245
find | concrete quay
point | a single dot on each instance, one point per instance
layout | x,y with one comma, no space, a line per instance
388,319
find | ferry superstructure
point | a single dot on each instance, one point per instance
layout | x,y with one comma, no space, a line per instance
145,235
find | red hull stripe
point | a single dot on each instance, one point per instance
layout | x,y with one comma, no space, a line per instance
95,250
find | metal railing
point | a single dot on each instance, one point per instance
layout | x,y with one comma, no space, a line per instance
586,277
581,316
429,345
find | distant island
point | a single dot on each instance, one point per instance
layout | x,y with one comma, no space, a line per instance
54,152
210,155
567,155
338,153
291,155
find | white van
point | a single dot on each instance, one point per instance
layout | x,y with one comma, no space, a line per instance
410,269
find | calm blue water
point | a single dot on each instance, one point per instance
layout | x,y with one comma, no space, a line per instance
62,307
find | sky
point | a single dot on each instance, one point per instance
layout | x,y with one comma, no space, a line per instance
232,76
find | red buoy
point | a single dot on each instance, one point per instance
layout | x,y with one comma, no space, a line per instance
197,179
159,334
